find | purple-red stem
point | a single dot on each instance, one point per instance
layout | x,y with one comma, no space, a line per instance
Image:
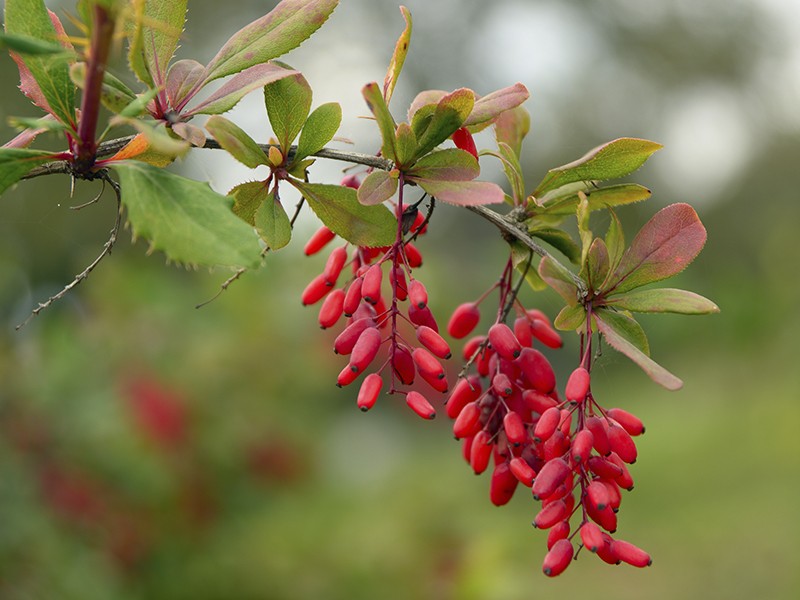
85,146
396,254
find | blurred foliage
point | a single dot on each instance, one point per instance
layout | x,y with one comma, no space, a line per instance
151,450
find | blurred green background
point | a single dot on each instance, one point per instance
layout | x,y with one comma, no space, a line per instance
151,450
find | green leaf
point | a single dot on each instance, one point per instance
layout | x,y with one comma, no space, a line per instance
492,105
247,198
138,105
15,163
450,113
520,254
599,198
615,243
319,129
513,171
655,371
665,300
597,264
451,164
570,318
339,209
228,96
614,159
283,29
185,219
398,57
114,95
583,213
25,44
406,145
236,142
288,102
462,193
511,127
625,326
560,279
45,123
154,36
272,223
560,240
50,72
663,247
377,188
386,125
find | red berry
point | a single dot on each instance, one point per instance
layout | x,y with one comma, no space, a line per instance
543,332
481,451
346,376
522,329
353,297
551,514
621,442
403,365
599,429
624,479
606,518
344,342
503,484
331,309
504,342
466,391
433,341
537,401
335,264
315,290
397,278
369,392
522,471
631,423
597,494
501,385
582,446
429,367
591,536
514,428
547,424
465,318
633,555
577,385
371,288
558,558
417,294
536,370
550,477
422,316
462,138
468,422
319,240
365,349
413,256
420,405
606,550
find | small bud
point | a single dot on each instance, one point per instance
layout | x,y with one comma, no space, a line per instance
420,405
369,392
275,156
350,181
464,319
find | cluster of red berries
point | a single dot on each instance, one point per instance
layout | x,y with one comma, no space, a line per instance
572,453
372,323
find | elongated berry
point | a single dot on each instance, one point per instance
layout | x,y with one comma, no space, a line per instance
522,471
344,342
433,342
371,288
472,345
558,558
602,467
428,366
413,256
522,329
318,241
559,531
331,309
631,423
543,332
462,138
606,518
606,550
369,391
537,370
551,475
420,405
334,265
397,279
422,316
504,342
353,297
555,446
551,514
502,386
417,294
465,391
599,429
614,495
503,484
547,424
464,319
537,401
481,451
468,422
315,290
597,494
633,555
581,447
365,349
621,442
591,536
577,385
514,428
346,376
624,478
403,365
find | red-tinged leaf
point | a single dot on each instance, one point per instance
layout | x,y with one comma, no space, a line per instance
560,279
462,193
492,105
511,127
615,243
386,125
377,188
15,163
284,28
450,113
398,57
236,142
451,164
183,78
663,247
191,133
597,264
598,199
405,145
226,97
627,327
154,38
665,300
139,148
614,159
570,318
424,98
655,371
27,136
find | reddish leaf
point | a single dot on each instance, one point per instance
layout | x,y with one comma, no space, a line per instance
664,247
462,193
